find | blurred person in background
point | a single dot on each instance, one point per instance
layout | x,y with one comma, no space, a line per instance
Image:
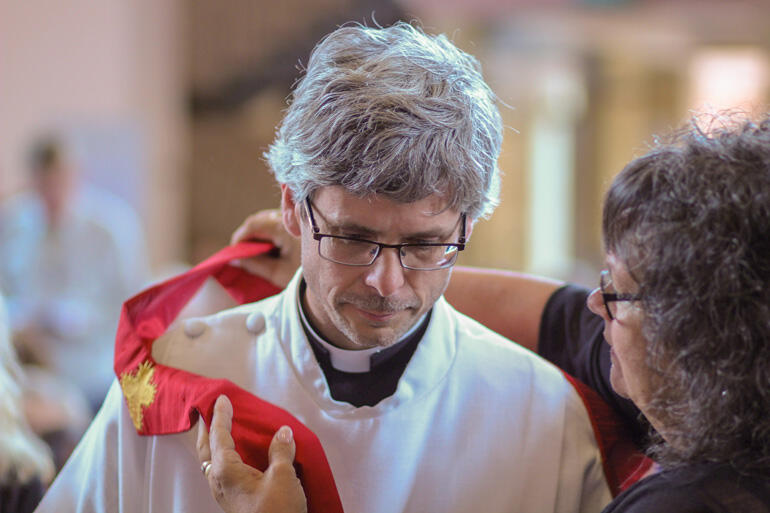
678,329
71,254
26,466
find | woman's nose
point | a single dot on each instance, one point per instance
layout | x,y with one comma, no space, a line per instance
595,303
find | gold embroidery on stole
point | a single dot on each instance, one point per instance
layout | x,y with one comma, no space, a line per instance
139,391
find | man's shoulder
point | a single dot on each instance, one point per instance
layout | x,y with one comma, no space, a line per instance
480,346
207,344
227,318
478,337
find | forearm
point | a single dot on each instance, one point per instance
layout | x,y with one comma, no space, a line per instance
507,302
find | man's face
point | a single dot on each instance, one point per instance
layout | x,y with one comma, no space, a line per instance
362,307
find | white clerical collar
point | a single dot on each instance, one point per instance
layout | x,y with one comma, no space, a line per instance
347,360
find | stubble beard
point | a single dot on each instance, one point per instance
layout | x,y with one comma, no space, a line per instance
381,337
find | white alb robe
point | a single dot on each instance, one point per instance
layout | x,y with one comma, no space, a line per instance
477,424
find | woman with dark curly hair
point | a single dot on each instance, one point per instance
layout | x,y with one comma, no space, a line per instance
680,325
686,308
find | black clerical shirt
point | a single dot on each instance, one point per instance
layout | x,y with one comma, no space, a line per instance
387,365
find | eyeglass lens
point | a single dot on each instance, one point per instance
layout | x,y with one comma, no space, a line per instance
358,252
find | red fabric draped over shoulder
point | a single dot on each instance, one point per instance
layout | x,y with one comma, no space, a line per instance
164,400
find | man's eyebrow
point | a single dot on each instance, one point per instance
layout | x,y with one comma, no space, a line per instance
351,226
438,233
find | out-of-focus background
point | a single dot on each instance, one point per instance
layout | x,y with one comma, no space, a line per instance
161,110
171,103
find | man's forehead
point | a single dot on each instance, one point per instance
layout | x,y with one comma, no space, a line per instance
378,212
432,205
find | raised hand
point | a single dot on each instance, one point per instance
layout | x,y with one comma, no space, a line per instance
239,488
266,225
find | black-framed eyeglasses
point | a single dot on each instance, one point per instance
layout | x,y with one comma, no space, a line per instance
424,256
611,297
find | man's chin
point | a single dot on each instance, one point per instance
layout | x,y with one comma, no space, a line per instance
381,337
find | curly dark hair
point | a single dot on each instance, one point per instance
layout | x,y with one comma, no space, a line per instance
691,221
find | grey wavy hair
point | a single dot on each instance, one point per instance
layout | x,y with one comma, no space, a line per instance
691,220
392,111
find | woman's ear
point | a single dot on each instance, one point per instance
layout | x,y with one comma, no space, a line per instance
290,211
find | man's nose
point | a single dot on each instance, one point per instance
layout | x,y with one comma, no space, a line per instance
386,274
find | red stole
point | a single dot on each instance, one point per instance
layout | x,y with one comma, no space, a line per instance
165,400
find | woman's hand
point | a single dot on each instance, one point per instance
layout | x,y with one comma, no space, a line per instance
266,225
239,488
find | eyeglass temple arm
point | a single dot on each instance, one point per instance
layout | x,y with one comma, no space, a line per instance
461,241
313,224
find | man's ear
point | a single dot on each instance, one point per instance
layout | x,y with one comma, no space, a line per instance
470,223
290,211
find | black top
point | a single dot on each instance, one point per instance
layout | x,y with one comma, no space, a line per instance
21,497
571,337
704,488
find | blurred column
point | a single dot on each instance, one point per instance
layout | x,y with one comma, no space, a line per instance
560,102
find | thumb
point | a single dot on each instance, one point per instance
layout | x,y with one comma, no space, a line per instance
282,447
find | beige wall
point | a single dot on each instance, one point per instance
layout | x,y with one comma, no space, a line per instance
633,66
136,63
85,63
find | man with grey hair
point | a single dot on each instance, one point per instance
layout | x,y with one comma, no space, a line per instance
386,158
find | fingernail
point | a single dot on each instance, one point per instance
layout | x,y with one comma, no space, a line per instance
285,435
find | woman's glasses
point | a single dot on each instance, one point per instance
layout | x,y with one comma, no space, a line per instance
610,296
